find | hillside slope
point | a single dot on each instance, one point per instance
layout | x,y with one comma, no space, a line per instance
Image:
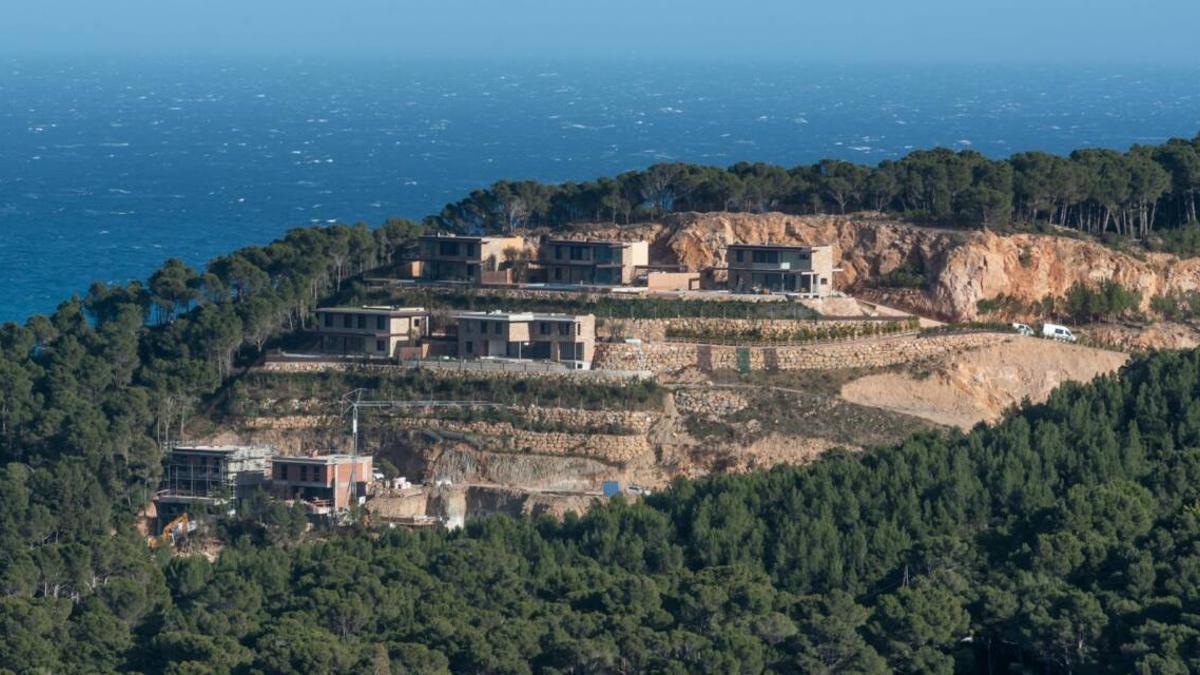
961,267
980,385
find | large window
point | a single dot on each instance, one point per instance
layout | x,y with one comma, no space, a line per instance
544,327
578,252
448,248
346,320
766,256
381,345
362,321
564,329
381,322
328,320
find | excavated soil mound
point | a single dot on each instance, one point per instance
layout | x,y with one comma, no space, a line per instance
979,385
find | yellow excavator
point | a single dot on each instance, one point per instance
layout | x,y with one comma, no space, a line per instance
172,532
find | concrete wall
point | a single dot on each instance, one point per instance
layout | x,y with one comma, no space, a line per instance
673,281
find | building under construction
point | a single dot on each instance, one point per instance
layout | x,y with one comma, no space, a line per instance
208,475
325,483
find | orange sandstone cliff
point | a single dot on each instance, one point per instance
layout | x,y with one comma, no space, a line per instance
961,267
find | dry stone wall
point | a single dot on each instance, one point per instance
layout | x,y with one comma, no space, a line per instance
655,330
577,418
468,369
874,353
609,448
708,402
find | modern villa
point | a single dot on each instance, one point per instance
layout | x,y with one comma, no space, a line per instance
527,335
475,260
370,331
597,262
780,268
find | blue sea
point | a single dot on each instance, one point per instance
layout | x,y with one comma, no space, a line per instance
107,168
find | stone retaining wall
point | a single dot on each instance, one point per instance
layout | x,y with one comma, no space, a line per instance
871,353
450,369
655,330
617,449
635,421
709,402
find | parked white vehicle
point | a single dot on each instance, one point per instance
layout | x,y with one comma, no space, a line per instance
1057,332
1022,328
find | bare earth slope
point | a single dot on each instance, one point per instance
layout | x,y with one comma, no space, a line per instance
977,386
963,267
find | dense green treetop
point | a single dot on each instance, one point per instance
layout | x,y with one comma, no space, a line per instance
1146,191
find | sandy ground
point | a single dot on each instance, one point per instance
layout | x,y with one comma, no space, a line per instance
979,385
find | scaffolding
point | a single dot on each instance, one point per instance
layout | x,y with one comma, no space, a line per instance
213,473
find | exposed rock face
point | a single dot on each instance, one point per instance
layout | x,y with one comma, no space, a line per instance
1162,335
961,267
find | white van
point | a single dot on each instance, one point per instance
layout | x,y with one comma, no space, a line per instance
1057,332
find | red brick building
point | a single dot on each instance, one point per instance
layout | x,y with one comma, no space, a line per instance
327,482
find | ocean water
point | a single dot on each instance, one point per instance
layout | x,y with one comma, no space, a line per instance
107,168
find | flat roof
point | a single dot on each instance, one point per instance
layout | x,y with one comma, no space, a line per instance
519,316
375,309
219,449
338,458
598,242
467,237
798,247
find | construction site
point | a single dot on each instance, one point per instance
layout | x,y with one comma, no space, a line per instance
431,402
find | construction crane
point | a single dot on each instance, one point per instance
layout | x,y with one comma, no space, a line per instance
352,401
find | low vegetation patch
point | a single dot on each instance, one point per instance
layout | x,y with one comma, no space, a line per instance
522,421
1083,303
805,406
604,306
908,275
247,396
799,335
